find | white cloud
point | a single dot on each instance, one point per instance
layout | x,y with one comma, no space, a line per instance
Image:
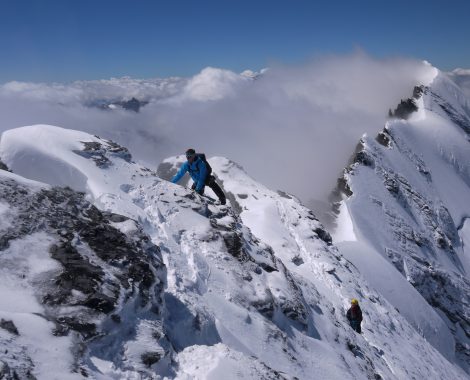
293,128
213,84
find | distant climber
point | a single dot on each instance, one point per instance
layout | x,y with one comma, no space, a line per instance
354,315
201,173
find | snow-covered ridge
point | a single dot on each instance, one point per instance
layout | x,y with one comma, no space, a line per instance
256,287
407,201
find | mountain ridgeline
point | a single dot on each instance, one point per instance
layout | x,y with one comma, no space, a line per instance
110,271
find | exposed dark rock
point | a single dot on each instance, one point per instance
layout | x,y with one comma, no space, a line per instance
95,151
133,104
297,260
405,108
408,106
418,91
65,324
284,194
115,218
101,268
9,326
268,268
78,274
99,152
117,150
3,166
8,373
343,186
233,202
383,138
265,307
364,158
324,235
150,358
234,243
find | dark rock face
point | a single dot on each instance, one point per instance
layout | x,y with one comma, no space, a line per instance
101,267
98,152
404,109
150,358
324,235
132,104
3,166
443,292
9,326
6,373
408,106
383,138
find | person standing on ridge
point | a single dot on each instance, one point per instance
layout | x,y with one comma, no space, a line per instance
354,315
200,171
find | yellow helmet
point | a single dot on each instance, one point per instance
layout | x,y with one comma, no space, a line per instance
354,302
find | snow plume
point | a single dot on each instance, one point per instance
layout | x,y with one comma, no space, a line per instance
292,127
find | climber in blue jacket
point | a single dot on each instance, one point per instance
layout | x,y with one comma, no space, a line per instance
200,171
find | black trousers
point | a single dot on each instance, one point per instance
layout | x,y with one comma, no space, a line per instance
210,181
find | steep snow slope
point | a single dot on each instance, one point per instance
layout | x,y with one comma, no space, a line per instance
254,290
324,278
407,199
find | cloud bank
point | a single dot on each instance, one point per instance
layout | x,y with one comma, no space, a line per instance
293,128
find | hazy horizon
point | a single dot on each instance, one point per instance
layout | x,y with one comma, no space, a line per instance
294,129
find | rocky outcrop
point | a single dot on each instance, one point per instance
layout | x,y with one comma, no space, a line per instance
406,107
102,269
100,152
132,104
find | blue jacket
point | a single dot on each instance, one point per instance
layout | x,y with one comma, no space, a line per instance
197,170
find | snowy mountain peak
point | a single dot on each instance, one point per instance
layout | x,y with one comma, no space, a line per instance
407,197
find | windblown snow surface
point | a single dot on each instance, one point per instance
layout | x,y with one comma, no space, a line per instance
109,271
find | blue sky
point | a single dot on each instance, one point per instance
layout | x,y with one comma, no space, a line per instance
66,40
